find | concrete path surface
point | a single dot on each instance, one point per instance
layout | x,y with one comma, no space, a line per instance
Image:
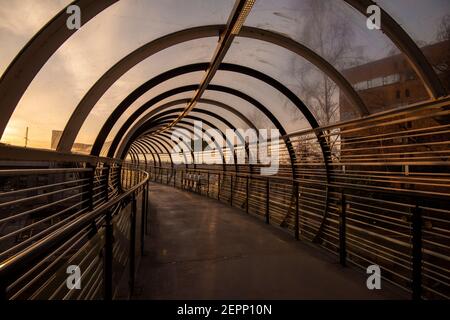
199,248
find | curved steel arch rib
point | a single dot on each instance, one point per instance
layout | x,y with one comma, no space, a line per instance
213,115
407,46
151,123
128,123
26,65
139,135
44,44
183,101
141,150
171,114
146,145
100,87
162,147
166,136
94,94
186,125
245,97
119,69
252,73
208,113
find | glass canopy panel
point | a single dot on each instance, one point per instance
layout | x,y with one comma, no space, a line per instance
237,122
195,51
243,107
124,117
428,24
91,51
319,93
251,112
283,109
20,20
333,29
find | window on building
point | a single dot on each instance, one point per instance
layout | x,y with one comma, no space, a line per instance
392,78
407,93
377,82
397,94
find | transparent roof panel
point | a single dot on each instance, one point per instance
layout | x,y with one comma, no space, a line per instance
92,50
20,20
124,117
251,112
338,32
428,24
319,93
282,108
194,51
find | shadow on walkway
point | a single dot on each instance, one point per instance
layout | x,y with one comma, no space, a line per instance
199,248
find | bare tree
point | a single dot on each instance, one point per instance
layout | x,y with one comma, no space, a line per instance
444,29
443,65
331,37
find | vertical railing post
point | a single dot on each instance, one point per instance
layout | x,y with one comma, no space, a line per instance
218,188
267,201
108,257
342,232
147,200
91,188
297,226
247,191
182,180
207,185
231,190
130,181
105,190
174,178
143,216
119,176
416,252
132,253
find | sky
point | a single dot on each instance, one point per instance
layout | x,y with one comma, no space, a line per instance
125,26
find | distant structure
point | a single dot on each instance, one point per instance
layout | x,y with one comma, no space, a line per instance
56,135
391,82
77,146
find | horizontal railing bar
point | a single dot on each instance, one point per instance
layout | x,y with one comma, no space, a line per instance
46,244
46,231
16,172
17,201
47,186
13,153
28,212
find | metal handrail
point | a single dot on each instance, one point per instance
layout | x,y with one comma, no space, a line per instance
289,180
43,246
362,223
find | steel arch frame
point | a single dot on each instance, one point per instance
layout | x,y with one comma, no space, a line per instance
48,40
112,151
206,112
182,124
249,72
139,133
214,103
143,150
120,68
245,97
168,119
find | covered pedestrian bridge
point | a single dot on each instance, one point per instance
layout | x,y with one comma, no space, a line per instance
140,185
